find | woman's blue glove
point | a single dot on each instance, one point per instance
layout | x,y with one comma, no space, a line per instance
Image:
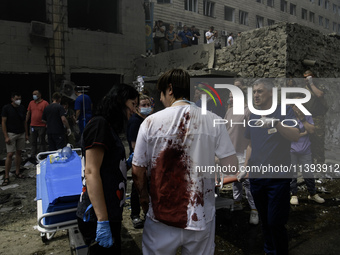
104,235
129,161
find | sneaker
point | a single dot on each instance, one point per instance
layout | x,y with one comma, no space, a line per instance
254,217
137,222
316,198
237,206
294,200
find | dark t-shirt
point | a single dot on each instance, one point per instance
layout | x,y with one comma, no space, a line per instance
195,40
132,129
52,115
15,118
99,133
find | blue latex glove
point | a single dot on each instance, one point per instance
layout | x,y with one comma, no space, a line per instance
104,235
129,161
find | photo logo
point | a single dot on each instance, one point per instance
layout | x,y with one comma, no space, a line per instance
204,96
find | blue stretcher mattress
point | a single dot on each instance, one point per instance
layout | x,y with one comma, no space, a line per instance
59,186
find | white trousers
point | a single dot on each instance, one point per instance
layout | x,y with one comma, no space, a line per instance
161,239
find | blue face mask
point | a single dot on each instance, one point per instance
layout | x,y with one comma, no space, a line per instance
145,110
35,97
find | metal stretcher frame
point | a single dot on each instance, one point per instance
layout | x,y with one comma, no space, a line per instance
47,231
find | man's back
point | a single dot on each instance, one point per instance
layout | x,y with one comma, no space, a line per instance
52,115
177,144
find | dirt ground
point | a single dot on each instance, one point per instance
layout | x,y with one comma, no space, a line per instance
312,228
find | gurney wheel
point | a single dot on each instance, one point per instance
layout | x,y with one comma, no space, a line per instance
47,236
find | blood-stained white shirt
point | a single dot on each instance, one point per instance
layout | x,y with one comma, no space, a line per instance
177,145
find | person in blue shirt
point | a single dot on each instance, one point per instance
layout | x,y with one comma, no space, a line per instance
269,146
185,37
81,107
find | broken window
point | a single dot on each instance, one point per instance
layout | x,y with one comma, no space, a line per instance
243,17
259,21
326,4
293,9
270,3
327,23
23,10
320,2
96,15
229,13
320,20
191,5
208,8
304,14
335,8
270,22
283,6
311,17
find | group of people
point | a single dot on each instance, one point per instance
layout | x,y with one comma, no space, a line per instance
165,148
187,37
56,120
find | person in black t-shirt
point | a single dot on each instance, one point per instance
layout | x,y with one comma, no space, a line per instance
104,178
133,125
15,132
54,116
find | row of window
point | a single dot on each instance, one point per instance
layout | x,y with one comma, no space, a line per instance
292,7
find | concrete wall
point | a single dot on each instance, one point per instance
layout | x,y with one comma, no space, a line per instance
85,51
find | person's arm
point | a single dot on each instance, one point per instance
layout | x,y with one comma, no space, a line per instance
4,130
248,154
229,162
208,37
317,92
140,182
94,158
308,126
77,114
65,122
290,133
26,130
28,115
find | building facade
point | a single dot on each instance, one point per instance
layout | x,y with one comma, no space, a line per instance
237,16
46,44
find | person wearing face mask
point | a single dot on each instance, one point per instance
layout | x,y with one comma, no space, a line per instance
15,132
134,123
37,127
54,116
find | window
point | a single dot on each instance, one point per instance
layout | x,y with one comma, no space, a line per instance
327,5
208,8
270,3
23,11
243,17
191,5
312,1
259,21
320,2
327,23
259,1
270,22
311,17
100,15
283,6
164,1
335,8
334,27
229,14
292,10
303,14
320,21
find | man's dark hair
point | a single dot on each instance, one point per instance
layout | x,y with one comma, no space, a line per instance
15,93
268,84
180,81
56,96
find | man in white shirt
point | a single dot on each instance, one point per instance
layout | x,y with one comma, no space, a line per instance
211,35
230,39
173,146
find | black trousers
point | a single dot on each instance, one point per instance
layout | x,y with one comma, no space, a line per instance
88,230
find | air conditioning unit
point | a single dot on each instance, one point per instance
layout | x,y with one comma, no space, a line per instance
41,29
224,33
67,89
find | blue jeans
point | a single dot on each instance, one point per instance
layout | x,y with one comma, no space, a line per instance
272,202
300,159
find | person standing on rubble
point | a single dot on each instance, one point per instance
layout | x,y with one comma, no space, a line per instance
15,132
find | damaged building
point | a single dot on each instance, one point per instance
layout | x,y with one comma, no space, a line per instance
49,45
